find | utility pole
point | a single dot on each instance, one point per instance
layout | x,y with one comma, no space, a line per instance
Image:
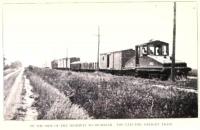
66,52
67,60
174,46
98,48
3,54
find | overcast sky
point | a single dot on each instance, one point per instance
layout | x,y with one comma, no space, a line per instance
39,33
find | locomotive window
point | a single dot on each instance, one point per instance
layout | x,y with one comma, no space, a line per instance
158,51
103,58
144,50
151,50
164,50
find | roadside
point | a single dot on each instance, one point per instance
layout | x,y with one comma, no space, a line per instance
8,71
26,110
8,82
13,97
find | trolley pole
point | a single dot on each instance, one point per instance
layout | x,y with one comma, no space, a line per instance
174,47
98,48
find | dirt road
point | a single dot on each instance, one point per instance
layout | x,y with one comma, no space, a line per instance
13,97
19,97
10,74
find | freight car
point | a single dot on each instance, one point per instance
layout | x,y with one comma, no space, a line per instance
115,62
84,66
64,63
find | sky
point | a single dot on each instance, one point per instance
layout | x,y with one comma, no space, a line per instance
36,34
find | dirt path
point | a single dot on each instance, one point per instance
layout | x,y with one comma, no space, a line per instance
26,110
13,98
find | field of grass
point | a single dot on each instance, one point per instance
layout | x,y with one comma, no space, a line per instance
105,96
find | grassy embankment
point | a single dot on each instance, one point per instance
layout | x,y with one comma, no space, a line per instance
51,103
108,96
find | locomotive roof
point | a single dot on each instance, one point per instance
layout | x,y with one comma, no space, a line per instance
157,42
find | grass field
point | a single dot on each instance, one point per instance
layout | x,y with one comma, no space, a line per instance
105,96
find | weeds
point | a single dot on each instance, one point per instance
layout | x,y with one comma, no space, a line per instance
52,104
114,97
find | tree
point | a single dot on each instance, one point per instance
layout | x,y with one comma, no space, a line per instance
16,64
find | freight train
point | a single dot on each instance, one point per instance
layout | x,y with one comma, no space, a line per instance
147,60
64,63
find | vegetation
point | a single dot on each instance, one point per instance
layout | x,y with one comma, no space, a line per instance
16,64
13,65
52,104
114,97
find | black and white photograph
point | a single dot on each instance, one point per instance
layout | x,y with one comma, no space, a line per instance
89,60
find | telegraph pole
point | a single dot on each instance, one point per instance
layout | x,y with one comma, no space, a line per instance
3,54
174,42
67,60
66,52
98,48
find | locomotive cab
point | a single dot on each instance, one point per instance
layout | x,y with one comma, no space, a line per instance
153,58
156,48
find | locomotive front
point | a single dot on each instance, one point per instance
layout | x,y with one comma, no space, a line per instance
153,59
